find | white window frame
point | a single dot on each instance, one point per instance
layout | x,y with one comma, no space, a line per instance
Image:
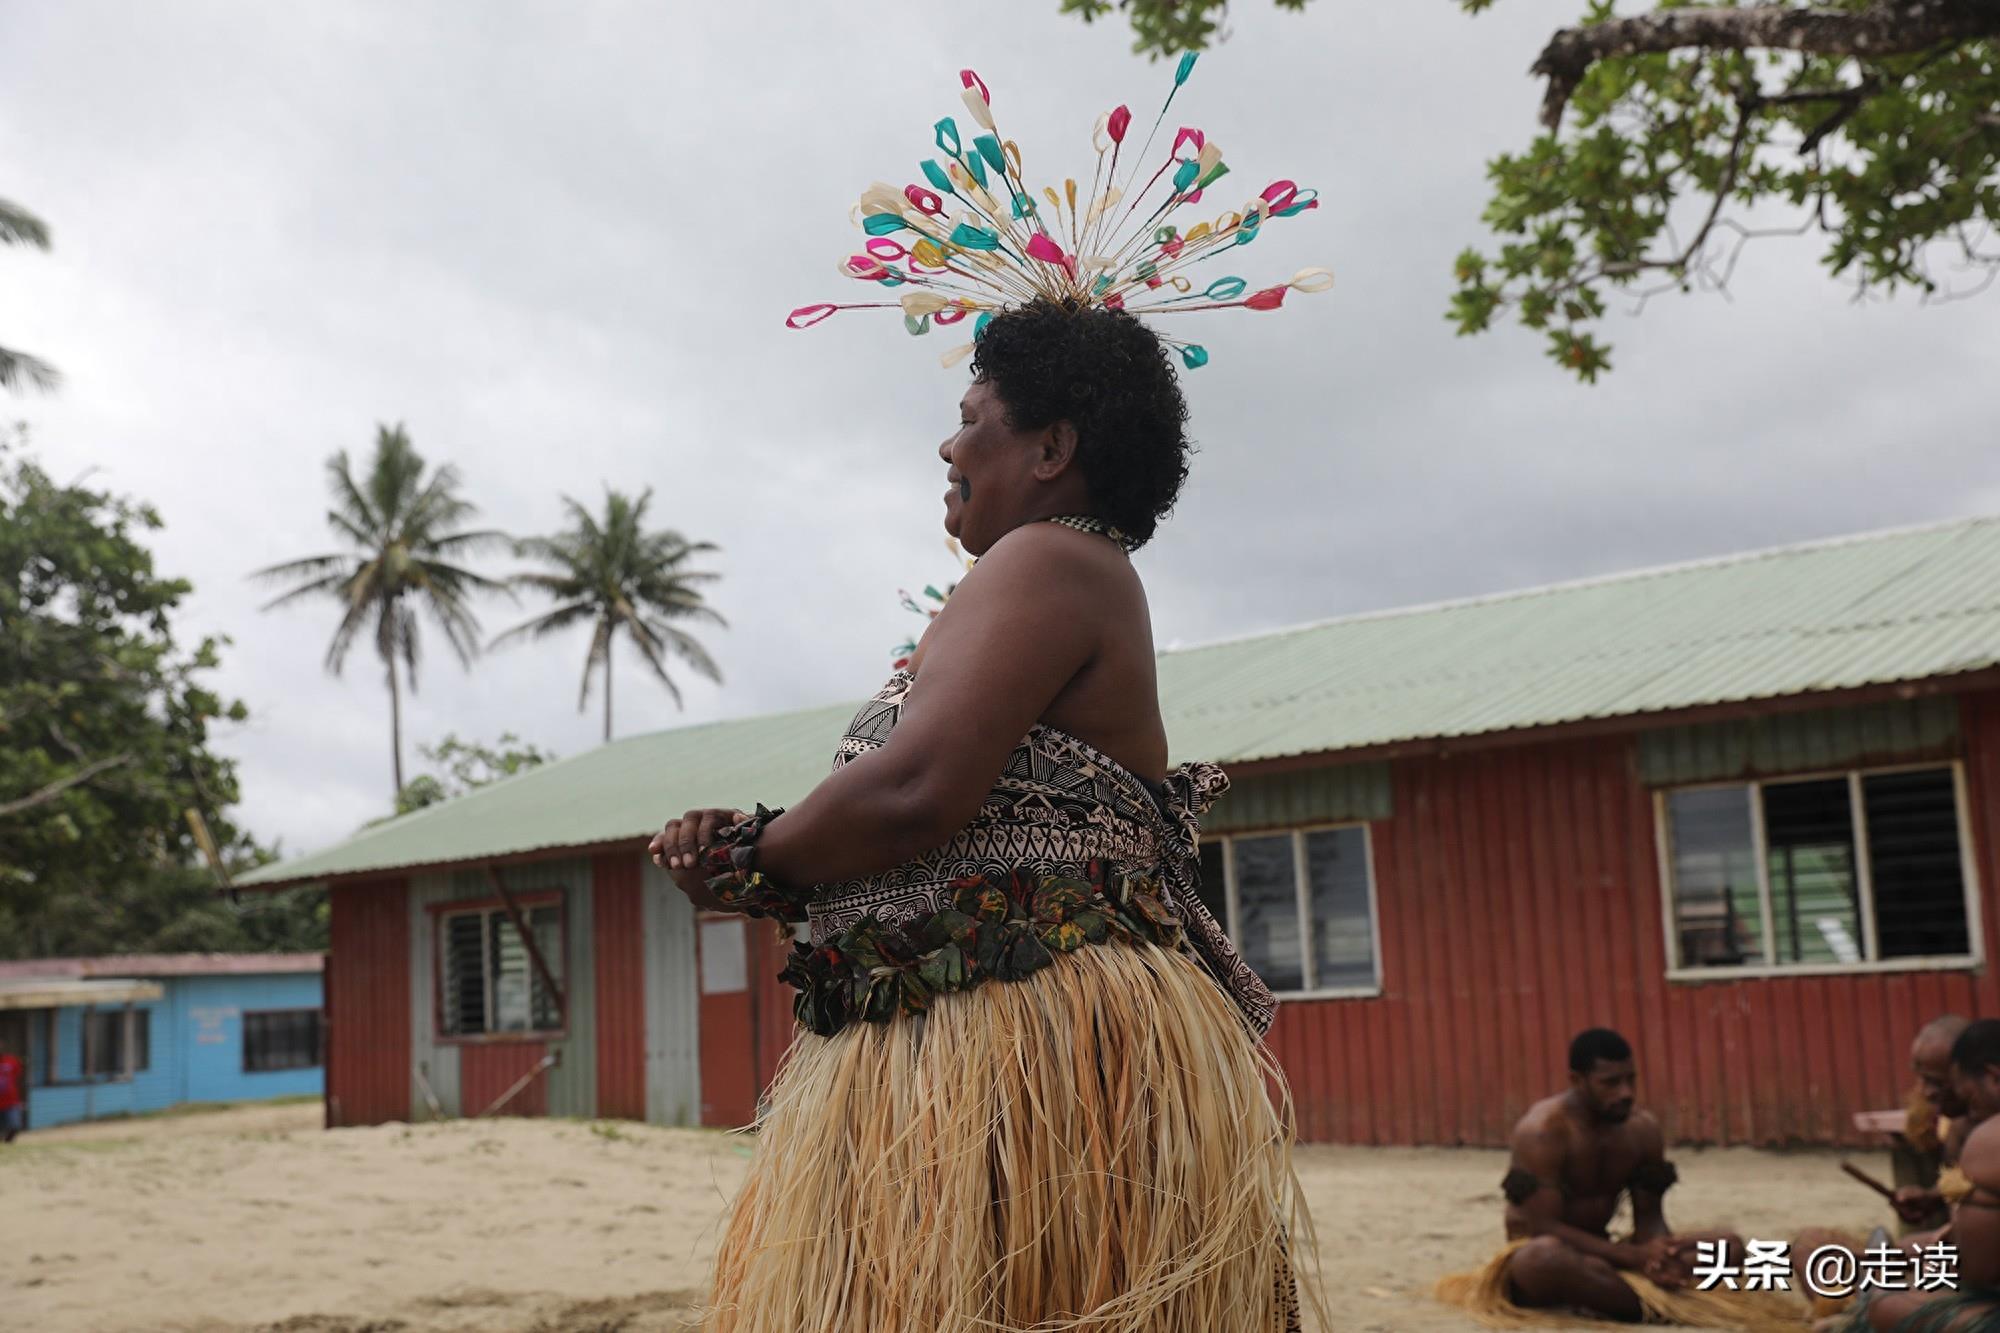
1864,877
1303,886
489,915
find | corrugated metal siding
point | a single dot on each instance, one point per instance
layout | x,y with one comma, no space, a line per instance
572,1083
209,1011
731,1049
1315,796
160,1084
620,986
1801,742
1520,902
368,1003
1887,607
770,948
432,1061
489,1069
673,1002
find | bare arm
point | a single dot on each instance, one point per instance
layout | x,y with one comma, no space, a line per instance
1974,1229
1015,632
1537,1210
1649,1216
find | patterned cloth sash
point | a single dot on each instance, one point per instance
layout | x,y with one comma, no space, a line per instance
1058,804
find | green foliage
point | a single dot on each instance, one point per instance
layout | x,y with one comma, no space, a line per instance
104,742
611,573
1677,150
20,227
1165,27
404,532
465,765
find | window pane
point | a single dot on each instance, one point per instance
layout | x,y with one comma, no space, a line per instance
1815,897
105,1048
1913,855
521,1001
464,974
1337,879
510,977
1716,914
546,922
1213,889
282,1039
105,1043
1267,899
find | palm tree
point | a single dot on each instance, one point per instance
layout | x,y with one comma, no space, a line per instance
616,575
20,227
404,532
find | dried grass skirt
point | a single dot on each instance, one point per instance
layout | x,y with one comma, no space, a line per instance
1101,1146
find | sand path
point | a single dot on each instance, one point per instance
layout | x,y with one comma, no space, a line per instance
255,1219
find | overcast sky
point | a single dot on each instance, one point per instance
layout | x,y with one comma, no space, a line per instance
558,242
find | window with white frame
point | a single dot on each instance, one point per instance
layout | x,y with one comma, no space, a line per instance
1300,905
117,1043
1845,869
487,981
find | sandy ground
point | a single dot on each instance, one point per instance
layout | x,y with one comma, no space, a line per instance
255,1219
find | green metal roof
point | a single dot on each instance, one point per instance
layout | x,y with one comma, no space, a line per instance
1867,610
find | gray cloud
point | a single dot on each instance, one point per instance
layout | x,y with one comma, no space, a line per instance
559,242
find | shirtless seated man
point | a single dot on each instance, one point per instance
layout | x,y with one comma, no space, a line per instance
1574,1154
1974,1306
1927,1205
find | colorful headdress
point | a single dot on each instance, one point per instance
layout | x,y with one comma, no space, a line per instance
978,239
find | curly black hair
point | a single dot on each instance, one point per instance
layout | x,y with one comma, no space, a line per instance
1111,378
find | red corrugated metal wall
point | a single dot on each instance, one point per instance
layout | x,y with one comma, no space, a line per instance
770,947
1520,902
487,1069
744,1033
368,1004
621,987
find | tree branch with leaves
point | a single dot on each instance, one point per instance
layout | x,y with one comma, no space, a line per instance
1675,134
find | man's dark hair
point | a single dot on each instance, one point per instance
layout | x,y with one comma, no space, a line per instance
1978,1047
1594,1044
1110,377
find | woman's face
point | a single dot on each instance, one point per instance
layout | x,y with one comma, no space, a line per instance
991,470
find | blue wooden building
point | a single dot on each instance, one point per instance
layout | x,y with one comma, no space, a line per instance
118,1036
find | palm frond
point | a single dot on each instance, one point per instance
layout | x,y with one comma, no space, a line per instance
20,227
351,622
685,647
485,539
600,653
460,626
650,649
351,530
606,563
552,622
328,584
308,566
679,607
18,368
352,502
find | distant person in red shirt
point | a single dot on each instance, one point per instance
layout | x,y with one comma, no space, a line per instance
12,1073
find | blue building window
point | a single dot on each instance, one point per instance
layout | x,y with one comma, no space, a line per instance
113,1037
280,1039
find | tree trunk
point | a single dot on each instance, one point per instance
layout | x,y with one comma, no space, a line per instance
395,730
607,688
1885,28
